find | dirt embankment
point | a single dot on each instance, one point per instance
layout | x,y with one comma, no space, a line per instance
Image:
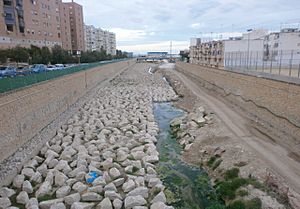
216,147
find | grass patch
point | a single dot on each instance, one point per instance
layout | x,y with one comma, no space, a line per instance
211,161
217,164
232,173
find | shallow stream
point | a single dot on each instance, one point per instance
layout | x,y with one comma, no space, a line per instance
187,187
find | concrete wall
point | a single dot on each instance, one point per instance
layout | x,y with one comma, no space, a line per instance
24,113
274,103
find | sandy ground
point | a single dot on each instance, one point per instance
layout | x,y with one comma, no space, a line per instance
232,131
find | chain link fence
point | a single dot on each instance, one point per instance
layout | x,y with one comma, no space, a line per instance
284,63
12,83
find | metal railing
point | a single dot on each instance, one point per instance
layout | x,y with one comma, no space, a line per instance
283,63
12,83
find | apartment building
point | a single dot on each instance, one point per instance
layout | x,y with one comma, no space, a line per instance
65,27
28,23
283,45
97,39
208,53
41,23
77,27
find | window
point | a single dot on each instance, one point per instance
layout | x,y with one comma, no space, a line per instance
7,2
10,28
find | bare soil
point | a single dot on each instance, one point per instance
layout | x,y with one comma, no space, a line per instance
245,146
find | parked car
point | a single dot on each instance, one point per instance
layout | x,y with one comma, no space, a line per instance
24,71
60,66
51,68
8,72
38,68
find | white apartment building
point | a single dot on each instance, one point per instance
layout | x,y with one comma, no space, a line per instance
283,45
97,39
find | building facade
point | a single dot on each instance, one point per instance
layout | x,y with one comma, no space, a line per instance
41,23
208,53
97,39
28,23
65,27
76,26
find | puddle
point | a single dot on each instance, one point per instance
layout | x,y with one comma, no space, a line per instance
187,187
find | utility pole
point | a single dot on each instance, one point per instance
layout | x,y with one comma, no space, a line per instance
170,50
249,31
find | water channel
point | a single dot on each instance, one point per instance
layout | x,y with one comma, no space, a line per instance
187,187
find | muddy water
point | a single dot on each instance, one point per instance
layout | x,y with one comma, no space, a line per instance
187,187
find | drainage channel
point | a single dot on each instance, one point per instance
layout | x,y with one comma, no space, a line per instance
187,187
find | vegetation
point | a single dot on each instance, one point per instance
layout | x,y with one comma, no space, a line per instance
231,174
36,55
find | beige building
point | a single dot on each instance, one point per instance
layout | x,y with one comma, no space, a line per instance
207,54
97,39
65,26
28,23
77,27
41,23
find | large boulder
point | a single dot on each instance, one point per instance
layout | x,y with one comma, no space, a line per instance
132,201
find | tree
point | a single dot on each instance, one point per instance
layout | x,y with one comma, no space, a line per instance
19,54
45,55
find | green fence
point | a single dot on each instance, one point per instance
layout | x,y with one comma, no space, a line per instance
8,84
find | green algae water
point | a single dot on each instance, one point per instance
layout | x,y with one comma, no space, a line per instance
187,187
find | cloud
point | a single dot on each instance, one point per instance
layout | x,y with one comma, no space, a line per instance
128,34
197,25
158,46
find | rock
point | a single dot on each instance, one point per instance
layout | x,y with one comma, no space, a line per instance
81,205
114,173
33,202
58,206
22,198
18,181
119,182
60,179
28,172
99,181
132,201
27,187
91,196
110,187
112,195
4,202
140,207
6,192
138,155
79,187
153,182
161,197
97,189
47,204
160,205
105,204
117,204
36,178
151,159
44,189
143,191
128,186
69,200
63,191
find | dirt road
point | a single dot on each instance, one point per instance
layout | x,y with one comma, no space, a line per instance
274,155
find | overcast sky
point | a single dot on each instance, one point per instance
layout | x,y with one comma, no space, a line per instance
150,25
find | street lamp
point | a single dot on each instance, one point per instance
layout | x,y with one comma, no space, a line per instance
249,30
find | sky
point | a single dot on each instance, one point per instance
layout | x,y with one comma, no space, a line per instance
150,25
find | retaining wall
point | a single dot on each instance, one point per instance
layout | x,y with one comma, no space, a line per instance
25,112
274,103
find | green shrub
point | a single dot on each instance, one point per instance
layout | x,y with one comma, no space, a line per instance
253,204
236,205
211,161
232,173
216,164
227,189
242,193
216,206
